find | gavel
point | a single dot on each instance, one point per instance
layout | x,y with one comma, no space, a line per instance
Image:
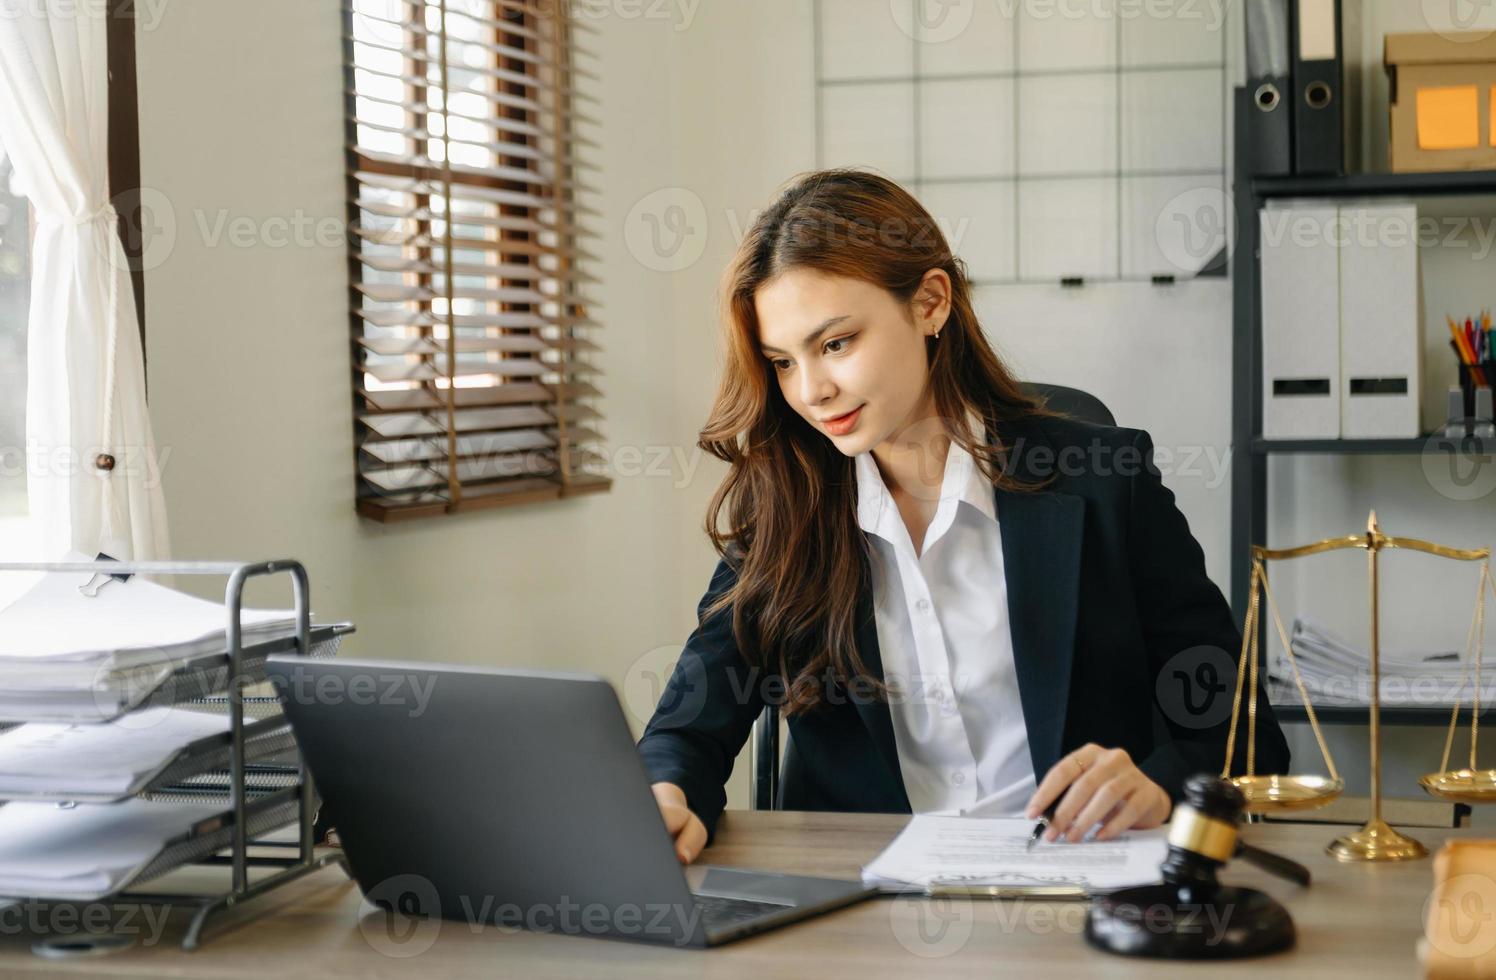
1191,915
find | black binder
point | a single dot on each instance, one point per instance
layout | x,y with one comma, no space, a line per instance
1269,125
1326,38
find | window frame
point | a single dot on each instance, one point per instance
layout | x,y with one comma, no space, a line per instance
522,47
124,146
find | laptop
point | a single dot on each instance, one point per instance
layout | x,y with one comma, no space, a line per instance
516,798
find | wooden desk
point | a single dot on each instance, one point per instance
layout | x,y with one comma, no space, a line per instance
1356,920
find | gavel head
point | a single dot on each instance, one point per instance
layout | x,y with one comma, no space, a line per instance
1215,797
1202,833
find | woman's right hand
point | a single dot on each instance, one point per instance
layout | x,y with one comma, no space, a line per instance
686,827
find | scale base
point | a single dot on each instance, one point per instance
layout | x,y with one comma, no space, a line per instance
1376,842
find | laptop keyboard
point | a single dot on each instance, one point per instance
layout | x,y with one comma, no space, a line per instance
717,912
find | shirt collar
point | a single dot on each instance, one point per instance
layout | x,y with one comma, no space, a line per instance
963,482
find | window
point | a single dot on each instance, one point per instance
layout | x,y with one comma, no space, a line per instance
15,296
470,329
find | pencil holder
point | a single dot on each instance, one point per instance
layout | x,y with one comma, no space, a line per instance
1468,385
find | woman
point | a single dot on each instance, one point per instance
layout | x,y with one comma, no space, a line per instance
949,591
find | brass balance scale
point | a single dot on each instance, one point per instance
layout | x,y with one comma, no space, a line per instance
1376,840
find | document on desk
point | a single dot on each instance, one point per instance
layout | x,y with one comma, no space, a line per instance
943,851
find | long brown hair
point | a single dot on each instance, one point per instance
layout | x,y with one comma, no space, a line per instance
789,497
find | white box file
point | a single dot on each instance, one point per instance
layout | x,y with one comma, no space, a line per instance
1300,296
1381,322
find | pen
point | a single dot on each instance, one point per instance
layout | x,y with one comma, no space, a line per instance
1044,819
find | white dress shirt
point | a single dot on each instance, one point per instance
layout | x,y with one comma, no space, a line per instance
946,646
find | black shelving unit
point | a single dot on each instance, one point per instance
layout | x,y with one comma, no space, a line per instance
1378,185
1249,450
1373,447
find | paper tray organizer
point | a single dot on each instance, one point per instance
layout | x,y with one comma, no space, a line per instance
262,739
218,767
198,680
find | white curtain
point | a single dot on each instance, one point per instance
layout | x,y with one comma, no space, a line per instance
85,394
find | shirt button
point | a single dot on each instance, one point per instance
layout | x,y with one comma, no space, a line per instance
958,778
923,605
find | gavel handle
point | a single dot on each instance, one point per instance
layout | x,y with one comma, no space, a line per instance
1273,863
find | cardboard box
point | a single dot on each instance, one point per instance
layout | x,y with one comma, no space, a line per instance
1443,99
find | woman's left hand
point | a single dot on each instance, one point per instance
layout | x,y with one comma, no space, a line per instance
1100,786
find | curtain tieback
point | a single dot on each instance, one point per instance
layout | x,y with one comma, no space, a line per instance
105,212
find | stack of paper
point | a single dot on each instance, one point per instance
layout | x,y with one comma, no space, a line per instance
91,761
1336,673
88,852
935,851
68,657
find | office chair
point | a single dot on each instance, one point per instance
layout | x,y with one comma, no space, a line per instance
766,755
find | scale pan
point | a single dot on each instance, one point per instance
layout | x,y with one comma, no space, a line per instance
1465,785
1277,794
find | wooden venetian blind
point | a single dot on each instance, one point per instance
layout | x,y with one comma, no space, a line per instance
470,321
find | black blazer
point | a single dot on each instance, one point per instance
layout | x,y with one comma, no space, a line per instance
1119,638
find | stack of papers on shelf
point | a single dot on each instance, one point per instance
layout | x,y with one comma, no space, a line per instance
89,851
938,851
67,657
109,760
1336,673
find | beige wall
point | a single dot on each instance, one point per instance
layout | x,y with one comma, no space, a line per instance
248,354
